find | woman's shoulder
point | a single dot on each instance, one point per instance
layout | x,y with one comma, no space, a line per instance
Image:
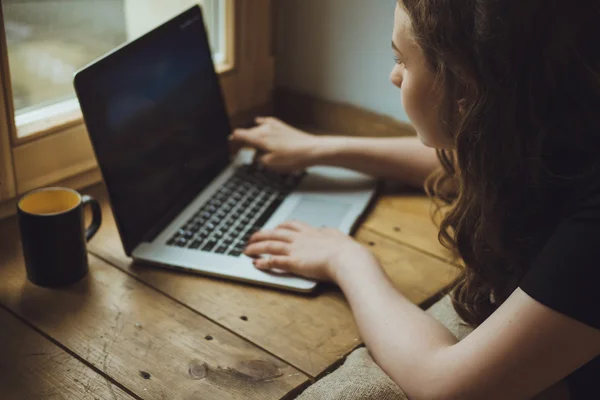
583,197
564,275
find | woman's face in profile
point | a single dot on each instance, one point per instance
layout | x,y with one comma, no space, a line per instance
412,74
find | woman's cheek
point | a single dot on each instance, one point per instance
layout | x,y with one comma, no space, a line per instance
409,102
421,110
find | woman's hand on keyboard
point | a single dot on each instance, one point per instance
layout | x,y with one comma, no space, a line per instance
284,148
315,253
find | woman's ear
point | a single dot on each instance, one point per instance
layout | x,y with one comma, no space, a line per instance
466,85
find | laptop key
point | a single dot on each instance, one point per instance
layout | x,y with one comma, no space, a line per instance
234,253
195,244
240,247
256,209
209,245
221,250
202,237
264,217
195,228
247,236
181,242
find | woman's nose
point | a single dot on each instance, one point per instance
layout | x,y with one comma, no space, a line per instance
396,78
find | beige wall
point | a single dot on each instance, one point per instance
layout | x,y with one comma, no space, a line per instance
339,50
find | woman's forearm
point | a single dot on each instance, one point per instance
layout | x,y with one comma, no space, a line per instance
403,159
400,336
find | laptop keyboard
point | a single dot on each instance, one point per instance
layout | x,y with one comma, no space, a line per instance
237,210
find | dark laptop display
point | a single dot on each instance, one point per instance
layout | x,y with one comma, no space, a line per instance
156,118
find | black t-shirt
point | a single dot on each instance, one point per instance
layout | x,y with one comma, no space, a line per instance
565,275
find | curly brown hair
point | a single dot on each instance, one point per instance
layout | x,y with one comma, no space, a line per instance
526,132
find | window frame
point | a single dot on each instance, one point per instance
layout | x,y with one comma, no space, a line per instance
7,180
61,152
66,114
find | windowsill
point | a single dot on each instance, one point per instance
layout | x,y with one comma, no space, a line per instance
38,123
225,68
47,120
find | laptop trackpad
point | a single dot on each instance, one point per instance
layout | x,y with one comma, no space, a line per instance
319,213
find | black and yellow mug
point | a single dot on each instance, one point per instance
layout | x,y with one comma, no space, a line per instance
54,236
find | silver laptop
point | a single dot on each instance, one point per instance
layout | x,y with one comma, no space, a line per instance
158,124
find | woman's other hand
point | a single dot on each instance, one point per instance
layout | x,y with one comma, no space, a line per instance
285,148
315,253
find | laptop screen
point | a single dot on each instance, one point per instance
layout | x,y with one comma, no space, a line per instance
157,121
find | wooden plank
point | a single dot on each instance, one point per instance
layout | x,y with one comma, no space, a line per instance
406,218
309,332
32,367
150,344
418,277
327,116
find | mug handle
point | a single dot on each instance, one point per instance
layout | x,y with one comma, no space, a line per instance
96,216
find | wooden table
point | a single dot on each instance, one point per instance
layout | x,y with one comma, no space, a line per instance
131,331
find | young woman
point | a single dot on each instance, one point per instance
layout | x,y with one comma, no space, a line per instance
508,93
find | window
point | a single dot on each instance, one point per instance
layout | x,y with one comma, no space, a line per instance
48,40
43,140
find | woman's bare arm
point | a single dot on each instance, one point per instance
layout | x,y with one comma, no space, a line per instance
286,148
404,159
522,349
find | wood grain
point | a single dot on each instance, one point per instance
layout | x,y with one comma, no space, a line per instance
417,279
406,218
152,345
309,332
33,368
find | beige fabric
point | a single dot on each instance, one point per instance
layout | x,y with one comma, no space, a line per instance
444,312
361,379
